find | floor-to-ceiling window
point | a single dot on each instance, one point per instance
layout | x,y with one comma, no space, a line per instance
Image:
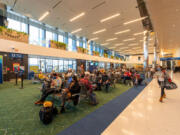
35,35
60,38
70,46
17,25
49,36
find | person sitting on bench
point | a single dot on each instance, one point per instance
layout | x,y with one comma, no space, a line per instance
55,85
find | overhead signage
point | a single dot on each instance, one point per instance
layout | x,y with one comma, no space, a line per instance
169,58
16,55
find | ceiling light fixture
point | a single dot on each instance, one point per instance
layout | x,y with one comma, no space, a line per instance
105,44
75,31
129,39
93,39
44,15
133,44
118,44
111,39
99,31
124,31
140,33
110,17
76,17
136,20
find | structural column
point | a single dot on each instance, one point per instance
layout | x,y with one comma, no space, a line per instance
155,52
146,42
3,14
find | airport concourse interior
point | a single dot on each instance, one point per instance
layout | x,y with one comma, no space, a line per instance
89,67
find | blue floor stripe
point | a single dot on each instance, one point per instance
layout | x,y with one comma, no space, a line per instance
96,122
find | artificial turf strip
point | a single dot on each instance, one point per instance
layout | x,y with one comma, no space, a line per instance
19,115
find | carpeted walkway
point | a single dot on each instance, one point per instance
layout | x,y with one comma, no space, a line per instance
96,122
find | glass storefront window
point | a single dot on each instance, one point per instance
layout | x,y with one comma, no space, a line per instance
56,65
65,65
33,61
74,65
70,64
61,65
43,65
49,65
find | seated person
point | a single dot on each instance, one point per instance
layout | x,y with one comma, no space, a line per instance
106,81
54,83
41,76
127,76
74,88
98,81
85,81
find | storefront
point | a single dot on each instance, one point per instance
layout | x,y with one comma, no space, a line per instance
47,64
12,61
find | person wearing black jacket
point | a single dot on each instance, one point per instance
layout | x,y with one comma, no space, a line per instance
74,88
106,81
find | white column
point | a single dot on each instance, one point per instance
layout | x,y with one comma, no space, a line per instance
146,42
155,53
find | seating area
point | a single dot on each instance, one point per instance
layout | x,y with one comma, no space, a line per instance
23,115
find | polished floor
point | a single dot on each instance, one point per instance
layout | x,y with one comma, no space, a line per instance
147,116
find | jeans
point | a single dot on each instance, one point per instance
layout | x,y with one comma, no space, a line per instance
162,88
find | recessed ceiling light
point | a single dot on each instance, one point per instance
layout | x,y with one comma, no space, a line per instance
118,44
136,20
111,39
133,44
76,17
75,31
124,31
99,31
105,44
93,39
110,17
129,39
44,16
140,33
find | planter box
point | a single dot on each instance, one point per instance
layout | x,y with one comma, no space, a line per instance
57,45
13,35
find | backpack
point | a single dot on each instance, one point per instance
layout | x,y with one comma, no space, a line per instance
93,99
46,115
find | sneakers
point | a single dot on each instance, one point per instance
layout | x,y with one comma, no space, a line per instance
161,99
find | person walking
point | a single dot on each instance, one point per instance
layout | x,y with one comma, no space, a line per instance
162,75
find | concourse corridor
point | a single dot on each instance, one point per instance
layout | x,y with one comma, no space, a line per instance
147,116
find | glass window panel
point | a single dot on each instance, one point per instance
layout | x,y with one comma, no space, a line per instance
70,66
61,65
13,24
56,65
24,27
65,65
49,36
60,38
49,65
34,35
70,48
33,61
78,43
43,65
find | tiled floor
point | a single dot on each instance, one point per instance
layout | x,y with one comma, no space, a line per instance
147,116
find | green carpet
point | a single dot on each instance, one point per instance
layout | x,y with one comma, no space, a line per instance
19,115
